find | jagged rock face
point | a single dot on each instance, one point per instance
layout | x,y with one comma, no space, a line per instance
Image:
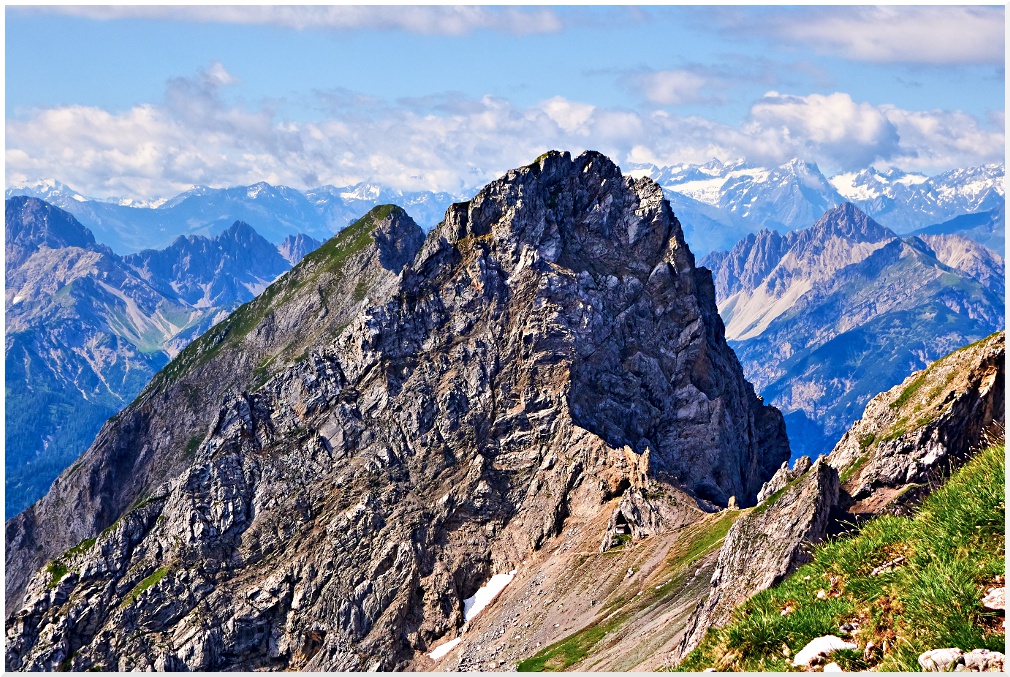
763,547
155,438
336,517
784,476
912,436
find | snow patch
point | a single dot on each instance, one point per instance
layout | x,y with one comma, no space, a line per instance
17,299
912,179
443,649
474,605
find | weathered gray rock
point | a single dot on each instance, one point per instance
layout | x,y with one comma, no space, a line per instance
941,660
820,647
995,599
912,436
765,546
783,476
984,660
550,336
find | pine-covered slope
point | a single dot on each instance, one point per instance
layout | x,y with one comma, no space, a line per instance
550,359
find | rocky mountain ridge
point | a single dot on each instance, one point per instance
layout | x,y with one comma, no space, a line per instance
86,329
549,355
826,317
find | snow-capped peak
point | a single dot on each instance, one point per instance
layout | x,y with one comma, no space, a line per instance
45,189
361,191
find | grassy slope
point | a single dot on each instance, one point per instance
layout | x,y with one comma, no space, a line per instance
699,540
953,549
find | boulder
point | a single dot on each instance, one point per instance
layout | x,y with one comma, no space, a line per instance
820,647
941,660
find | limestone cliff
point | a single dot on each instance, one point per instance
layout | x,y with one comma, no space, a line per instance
549,350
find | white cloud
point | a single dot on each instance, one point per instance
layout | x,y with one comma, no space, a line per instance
451,142
939,138
570,116
923,35
429,19
671,87
828,128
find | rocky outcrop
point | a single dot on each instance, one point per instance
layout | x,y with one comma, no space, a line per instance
784,476
337,516
765,546
956,660
914,435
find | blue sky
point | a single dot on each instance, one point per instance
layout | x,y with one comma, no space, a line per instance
147,101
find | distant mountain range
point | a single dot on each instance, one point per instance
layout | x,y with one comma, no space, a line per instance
988,228
174,267
718,203
276,212
824,318
742,197
86,329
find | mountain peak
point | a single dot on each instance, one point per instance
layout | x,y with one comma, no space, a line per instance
397,237
240,230
850,222
32,223
545,205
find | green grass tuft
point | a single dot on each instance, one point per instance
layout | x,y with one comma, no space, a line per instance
148,582
81,547
56,570
854,467
910,390
953,548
